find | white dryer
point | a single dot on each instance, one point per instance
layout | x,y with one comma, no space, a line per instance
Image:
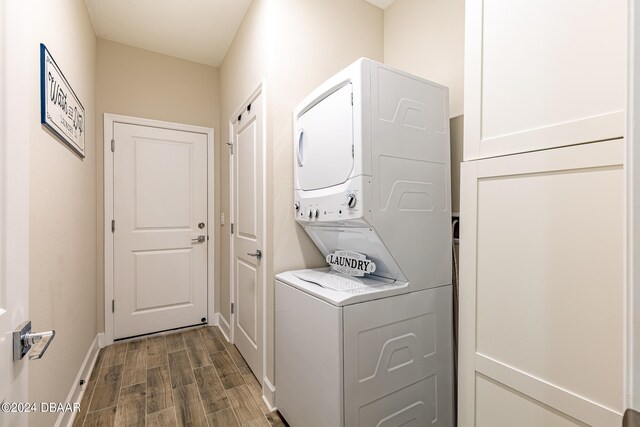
371,173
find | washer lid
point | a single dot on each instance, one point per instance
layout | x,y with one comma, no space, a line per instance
339,289
324,141
338,281
358,239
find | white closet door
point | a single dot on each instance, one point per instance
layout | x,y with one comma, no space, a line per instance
542,301
248,238
542,74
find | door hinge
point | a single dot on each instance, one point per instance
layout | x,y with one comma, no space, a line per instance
230,144
113,306
353,152
113,225
231,308
113,145
231,228
351,98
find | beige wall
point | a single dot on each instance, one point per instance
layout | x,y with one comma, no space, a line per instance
288,43
426,38
136,82
456,129
62,213
329,35
242,70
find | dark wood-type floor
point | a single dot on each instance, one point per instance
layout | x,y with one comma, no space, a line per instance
189,378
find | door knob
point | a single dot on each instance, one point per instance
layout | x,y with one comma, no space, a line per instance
258,254
199,239
24,339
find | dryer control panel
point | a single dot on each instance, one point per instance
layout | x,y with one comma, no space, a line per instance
347,204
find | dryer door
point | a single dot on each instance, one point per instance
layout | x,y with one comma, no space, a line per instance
324,141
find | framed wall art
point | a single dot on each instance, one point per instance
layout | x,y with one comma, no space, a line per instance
60,109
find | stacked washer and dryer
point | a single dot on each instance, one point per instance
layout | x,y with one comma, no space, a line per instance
368,341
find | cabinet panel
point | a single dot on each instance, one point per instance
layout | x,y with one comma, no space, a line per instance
543,74
397,360
542,279
516,409
549,253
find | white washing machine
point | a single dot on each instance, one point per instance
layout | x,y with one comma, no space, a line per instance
372,178
385,361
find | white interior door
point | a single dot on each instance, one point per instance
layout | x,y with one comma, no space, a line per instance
248,207
14,208
160,238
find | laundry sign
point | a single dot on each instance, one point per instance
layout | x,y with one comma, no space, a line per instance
351,263
60,109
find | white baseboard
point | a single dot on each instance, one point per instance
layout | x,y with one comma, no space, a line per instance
269,394
224,326
102,340
77,390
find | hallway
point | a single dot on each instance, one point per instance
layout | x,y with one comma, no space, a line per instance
188,378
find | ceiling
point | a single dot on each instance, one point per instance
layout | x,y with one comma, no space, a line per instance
382,4
196,30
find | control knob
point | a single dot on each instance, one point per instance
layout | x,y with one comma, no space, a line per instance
297,206
310,213
351,201
316,213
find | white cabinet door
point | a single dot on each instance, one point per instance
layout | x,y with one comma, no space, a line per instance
543,74
542,300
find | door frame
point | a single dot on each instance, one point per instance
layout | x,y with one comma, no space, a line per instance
15,125
632,214
266,256
109,121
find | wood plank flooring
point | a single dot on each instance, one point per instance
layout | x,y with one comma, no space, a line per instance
191,378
